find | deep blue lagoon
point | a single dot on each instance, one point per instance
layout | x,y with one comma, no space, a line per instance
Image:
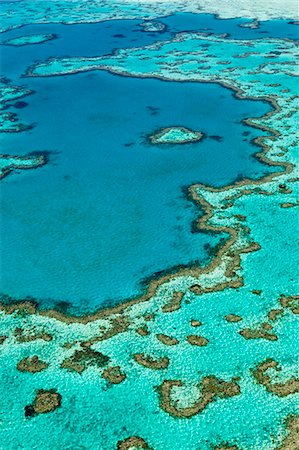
109,210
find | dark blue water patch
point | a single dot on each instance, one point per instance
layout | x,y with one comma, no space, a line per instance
20,104
108,210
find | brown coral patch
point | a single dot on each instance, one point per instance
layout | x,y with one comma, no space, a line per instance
288,205
240,217
282,389
32,365
133,442
273,314
199,341
81,359
114,375
150,362
258,333
211,389
44,402
118,324
257,291
291,440
196,289
291,302
143,331
174,304
234,318
167,340
21,336
195,323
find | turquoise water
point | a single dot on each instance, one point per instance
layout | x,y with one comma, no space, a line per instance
110,209
85,230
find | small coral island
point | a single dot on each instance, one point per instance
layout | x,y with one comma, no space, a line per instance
153,26
29,39
175,135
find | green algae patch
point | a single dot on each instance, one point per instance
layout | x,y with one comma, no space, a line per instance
211,388
281,389
45,401
32,365
81,359
175,135
29,39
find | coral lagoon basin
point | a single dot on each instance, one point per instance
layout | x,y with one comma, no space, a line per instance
149,195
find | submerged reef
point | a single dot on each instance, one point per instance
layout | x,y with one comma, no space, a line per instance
153,26
282,389
133,442
44,402
230,393
9,121
291,440
10,163
210,387
114,375
199,341
32,365
151,362
252,25
175,135
81,359
29,39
